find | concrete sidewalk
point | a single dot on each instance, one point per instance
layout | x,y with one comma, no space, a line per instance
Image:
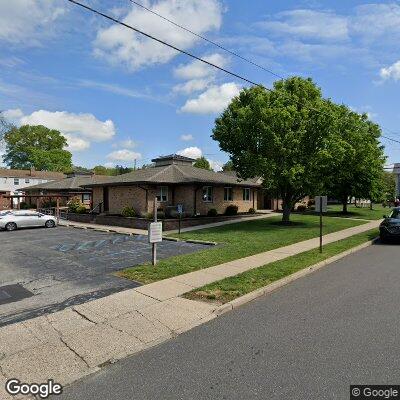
77,341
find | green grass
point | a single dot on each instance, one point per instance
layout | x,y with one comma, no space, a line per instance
377,211
230,288
236,241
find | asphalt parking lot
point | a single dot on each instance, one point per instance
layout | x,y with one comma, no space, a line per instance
46,270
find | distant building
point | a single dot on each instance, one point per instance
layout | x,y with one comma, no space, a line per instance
12,180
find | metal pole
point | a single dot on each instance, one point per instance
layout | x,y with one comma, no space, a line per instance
58,210
320,225
154,245
179,223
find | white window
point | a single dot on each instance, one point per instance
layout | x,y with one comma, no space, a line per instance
162,195
208,194
86,197
26,180
16,181
228,194
246,194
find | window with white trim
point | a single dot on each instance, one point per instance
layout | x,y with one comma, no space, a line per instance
162,195
208,194
228,194
16,181
246,194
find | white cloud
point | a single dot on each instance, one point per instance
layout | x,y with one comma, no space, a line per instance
109,164
194,85
391,72
124,155
191,152
308,24
79,129
187,138
214,100
197,69
120,45
216,165
26,22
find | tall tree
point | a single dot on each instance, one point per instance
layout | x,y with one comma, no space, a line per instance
36,146
203,163
228,166
278,135
354,158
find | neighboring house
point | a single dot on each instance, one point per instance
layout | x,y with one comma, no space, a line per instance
173,180
12,180
71,187
396,172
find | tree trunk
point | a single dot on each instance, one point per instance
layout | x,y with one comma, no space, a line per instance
344,203
286,208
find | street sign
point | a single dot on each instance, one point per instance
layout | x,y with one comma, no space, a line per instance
179,208
155,232
321,204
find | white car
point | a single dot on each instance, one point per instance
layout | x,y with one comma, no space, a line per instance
12,220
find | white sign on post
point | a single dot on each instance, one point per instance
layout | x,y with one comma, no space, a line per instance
155,232
321,204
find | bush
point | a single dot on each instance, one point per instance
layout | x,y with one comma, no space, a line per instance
301,207
252,210
73,205
49,204
24,206
311,202
212,212
80,209
231,209
128,212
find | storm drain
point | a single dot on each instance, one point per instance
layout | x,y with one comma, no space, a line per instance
12,293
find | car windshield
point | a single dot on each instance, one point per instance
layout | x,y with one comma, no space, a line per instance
5,212
395,214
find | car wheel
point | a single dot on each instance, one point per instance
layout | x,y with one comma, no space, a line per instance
11,226
50,224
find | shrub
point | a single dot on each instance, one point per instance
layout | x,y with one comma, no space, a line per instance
252,210
49,204
232,209
301,207
80,209
24,206
212,212
73,205
128,212
311,202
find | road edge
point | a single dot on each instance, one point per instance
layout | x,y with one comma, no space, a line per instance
233,304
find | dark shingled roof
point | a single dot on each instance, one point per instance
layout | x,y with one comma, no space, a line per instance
75,183
173,157
26,173
175,174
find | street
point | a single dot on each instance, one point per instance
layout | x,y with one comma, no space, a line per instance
308,340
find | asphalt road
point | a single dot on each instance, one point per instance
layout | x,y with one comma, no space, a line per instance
64,266
308,340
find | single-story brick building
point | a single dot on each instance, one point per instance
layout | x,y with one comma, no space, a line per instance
174,180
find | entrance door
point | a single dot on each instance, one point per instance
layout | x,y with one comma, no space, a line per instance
105,198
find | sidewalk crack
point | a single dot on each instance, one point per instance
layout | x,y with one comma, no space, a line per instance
74,351
83,316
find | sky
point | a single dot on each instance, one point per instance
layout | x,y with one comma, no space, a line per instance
119,97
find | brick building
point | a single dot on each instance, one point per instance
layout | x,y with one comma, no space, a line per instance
174,180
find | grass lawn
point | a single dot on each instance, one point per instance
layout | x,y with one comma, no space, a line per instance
230,288
377,212
236,241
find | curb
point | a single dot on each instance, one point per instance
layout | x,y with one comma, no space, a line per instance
231,305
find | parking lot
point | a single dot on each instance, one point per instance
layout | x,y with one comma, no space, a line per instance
45,270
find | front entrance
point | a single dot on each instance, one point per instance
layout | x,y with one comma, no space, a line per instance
105,199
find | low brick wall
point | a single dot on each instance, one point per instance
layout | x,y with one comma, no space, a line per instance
142,223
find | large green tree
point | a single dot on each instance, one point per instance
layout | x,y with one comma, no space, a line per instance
278,135
354,156
36,146
203,163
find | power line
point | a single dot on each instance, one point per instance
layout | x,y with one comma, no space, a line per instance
206,39
117,21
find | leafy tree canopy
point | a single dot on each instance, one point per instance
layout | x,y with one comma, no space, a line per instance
36,146
203,163
228,166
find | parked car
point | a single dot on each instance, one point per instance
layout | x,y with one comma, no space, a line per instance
390,226
12,220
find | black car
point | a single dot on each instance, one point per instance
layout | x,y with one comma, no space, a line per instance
390,226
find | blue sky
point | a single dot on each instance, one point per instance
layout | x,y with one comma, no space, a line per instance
118,97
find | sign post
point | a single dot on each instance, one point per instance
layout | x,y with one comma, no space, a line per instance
155,234
180,211
321,204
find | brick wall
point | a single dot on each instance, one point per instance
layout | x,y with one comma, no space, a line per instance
5,204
